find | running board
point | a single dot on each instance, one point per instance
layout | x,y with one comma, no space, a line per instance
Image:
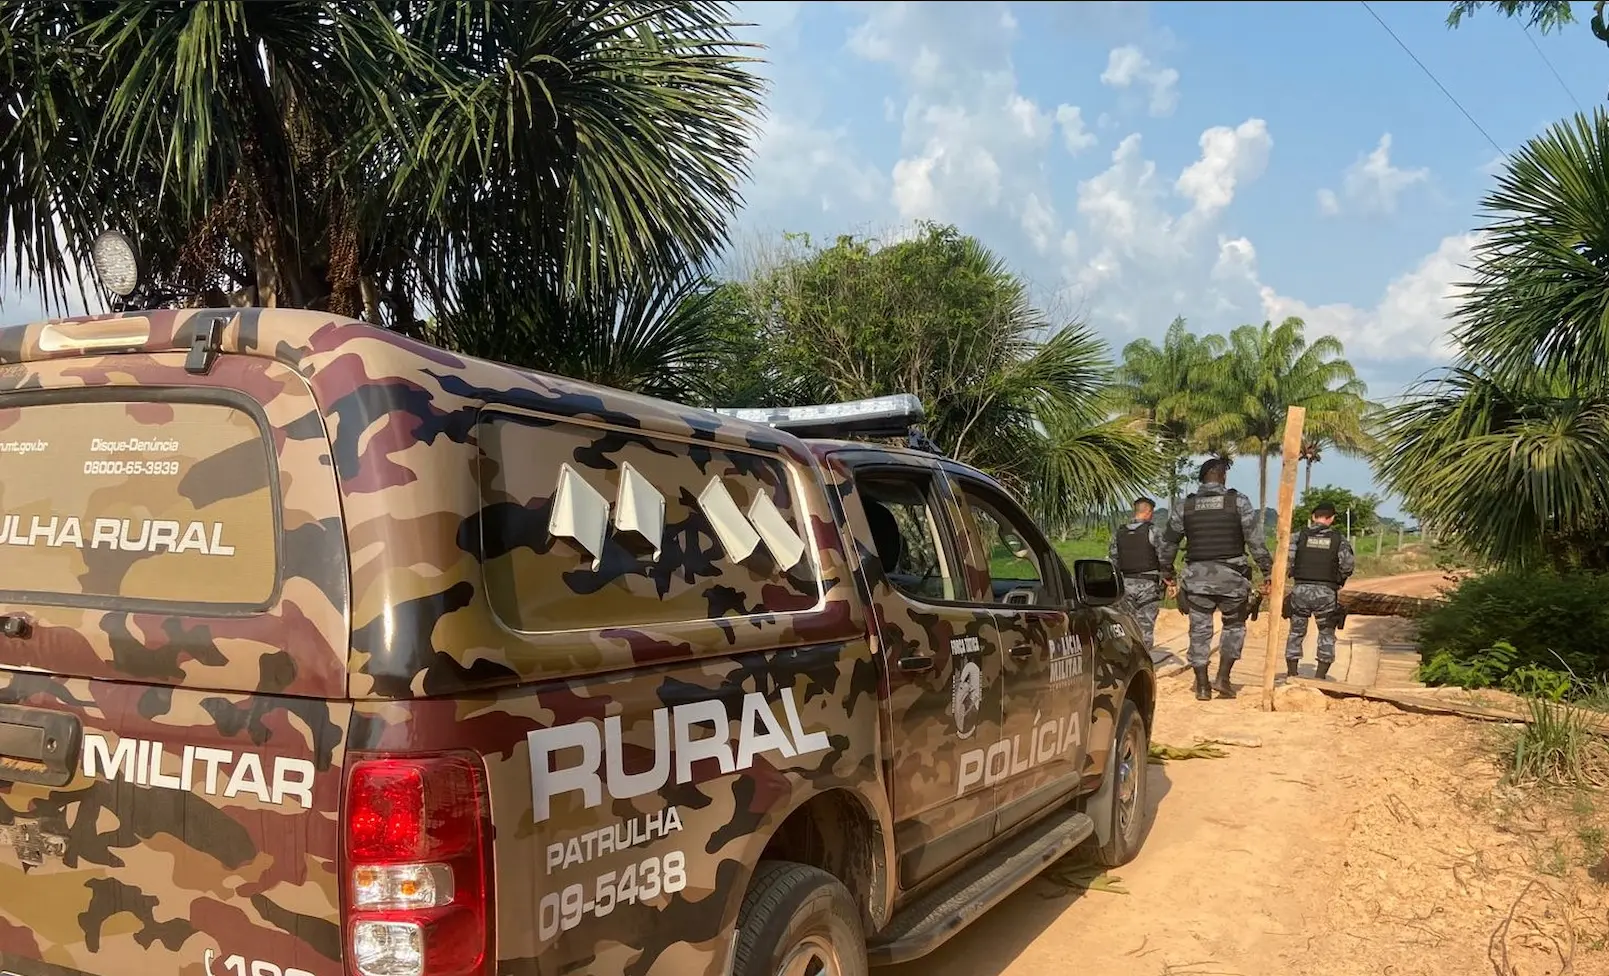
930,921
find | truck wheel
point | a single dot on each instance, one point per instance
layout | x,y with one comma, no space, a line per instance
1129,760
798,920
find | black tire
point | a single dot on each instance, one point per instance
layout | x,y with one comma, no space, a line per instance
794,915
1131,744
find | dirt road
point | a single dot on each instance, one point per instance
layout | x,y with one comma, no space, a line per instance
1356,839
1430,583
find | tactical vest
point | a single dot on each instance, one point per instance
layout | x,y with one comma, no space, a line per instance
1318,556
1135,554
1212,527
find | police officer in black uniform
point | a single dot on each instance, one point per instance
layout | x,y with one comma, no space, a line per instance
1321,561
1219,528
1133,551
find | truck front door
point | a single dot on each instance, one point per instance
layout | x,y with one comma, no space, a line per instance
1048,653
942,659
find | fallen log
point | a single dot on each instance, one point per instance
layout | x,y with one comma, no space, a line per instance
1429,704
1366,604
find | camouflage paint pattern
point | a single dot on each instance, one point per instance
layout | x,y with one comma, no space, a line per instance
397,526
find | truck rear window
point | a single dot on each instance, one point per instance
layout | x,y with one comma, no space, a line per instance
112,501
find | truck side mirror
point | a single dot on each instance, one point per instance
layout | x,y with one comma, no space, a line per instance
1097,582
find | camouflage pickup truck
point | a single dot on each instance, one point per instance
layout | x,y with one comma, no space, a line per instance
324,651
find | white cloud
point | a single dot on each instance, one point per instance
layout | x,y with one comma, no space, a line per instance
801,155
1128,67
794,161
1372,184
1236,258
1409,321
1039,222
972,146
1074,136
1142,262
1121,204
1228,157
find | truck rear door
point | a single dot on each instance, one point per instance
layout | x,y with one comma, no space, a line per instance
173,638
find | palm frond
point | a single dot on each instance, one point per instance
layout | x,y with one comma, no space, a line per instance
1506,465
1539,295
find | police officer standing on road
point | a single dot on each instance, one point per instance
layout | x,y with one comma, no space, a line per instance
1219,528
1320,564
1133,551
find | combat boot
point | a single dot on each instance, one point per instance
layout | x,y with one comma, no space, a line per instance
1323,672
1292,665
1203,688
1222,685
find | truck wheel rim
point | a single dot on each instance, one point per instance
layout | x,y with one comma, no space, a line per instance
1128,782
813,956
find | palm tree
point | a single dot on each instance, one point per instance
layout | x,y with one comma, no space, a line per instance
1172,389
1272,368
380,158
1517,470
1312,452
1348,432
655,337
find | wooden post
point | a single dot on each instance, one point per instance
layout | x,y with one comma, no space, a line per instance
1292,448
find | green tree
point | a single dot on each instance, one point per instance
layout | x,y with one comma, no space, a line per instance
1544,15
1172,387
1271,368
1364,508
746,368
471,161
937,315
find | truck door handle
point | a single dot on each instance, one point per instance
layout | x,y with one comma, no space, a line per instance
1022,652
15,625
916,662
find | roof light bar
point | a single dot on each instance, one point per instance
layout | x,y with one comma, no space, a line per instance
884,416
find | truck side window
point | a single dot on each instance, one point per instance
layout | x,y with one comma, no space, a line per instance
906,535
1015,571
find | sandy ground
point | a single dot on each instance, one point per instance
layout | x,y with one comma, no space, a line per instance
1340,838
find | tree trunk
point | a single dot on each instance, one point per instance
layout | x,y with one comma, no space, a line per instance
1262,486
1307,476
1175,481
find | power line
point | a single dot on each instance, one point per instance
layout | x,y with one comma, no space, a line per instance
1549,62
1429,74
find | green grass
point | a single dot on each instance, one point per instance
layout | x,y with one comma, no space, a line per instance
1558,747
1088,547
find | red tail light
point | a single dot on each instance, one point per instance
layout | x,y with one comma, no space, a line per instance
418,886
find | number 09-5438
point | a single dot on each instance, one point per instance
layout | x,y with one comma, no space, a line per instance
561,911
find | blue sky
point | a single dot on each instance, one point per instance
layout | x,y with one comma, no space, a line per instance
1228,162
